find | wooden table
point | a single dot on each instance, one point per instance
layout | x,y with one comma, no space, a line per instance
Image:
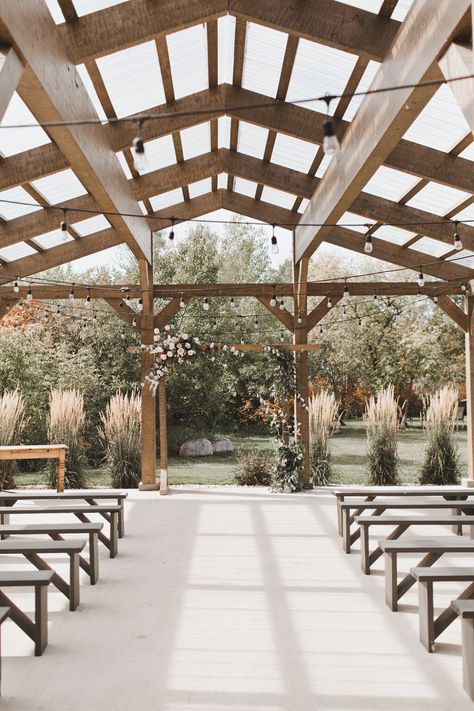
39,451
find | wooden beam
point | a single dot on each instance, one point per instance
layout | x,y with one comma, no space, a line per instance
469,352
126,313
11,70
382,119
7,304
54,90
457,61
167,313
320,311
454,312
283,315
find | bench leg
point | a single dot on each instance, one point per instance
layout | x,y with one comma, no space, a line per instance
346,530
339,514
93,558
426,614
74,587
113,534
391,597
468,656
121,521
456,528
364,549
41,619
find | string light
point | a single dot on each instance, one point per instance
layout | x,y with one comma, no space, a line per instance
140,305
29,295
346,293
88,299
273,300
71,293
16,288
360,322
282,337
171,233
321,330
421,280
128,299
182,302
368,246
329,302
300,320
232,303
63,226
205,304
456,238
463,286
282,304
330,143
138,150
275,249
435,298
134,322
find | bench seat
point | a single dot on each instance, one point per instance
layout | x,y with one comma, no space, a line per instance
36,629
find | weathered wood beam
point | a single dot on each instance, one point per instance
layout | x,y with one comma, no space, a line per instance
321,310
382,119
168,312
283,315
11,70
454,312
125,312
7,304
457,61
188,210
54,90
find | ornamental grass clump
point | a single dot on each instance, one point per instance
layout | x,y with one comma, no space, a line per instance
120,434
382,426
12,423
441,463
66,423
323,418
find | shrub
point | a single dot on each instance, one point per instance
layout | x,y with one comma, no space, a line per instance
66,424
441,463
254,468
381,425
323,409
120,435
12,422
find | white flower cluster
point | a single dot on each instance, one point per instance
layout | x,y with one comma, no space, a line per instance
169,349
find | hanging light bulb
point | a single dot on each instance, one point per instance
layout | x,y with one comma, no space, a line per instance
94,316
232,303
171,232
16,288
140,305
88,299
255,323
282,338
421,280
345,293
63,226
360,322
329,304
58,312
138,151
29,295
134,322
205,304
456,238
182,302
275,249
375,297
330,143
71,293
20,305
273,300
300,320
435,298
344,311
214,324
463,286
122,335
321,330
282,304
368,246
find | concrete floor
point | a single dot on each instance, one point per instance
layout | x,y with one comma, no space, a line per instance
225,599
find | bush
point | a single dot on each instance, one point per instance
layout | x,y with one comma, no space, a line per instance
66,425
254,468
381,423
323,418
441,463
12,422
120,435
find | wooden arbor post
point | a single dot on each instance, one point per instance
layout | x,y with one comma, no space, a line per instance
148,443
300,336
469,341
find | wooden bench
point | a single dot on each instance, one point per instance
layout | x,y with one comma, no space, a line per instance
55,531
434,548
36,629
4,612
431,628
378,508
90,496
465,610
31,550
39,451
79,511
402,524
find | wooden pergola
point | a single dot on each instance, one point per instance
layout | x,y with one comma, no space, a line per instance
40,57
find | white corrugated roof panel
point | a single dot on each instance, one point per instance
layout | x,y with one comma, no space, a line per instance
278,197
225,48
8,210
201,187
245,187
196,140
85,7
188,60
466,214
223,132
55,10
401,9
365,82
59,187
433,247
464,258
142,207
124,165
252,139
358,223
132,78
293,153
264,53
319,70
91,225
222,180
390,184
87,81
395,235
52,239
172,197
303,206
441,124
17,140
369,5
438,199
16,251
159,154
468,152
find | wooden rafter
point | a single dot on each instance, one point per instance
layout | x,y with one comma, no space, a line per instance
322,309
454,312
237,73
11,70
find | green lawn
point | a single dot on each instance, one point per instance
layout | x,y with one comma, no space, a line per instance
348,448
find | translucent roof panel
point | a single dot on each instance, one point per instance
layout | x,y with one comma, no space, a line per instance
8,210
278,197
222,180
245,187
52,239
142,207
159,154
85,7
390,184
369,5
55,10
401,9
201,187
293,153
468,152
91,225
319,70
252,139
358,223
304,204
172,197
188,59
225,48
16,251
464,258
438,199
466,214
324,165
124,165
264,53
392,234
223,132
431,246
90,88
59,187
196,140
367,78
132,78
441,124
17,140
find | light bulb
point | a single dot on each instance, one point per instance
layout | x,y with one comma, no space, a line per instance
16,288
273,301
29,295
368,244
205,304
88,301
329,302
345,293
139,157
71,293
134,322
282,305
275,249
300,320
140,305
171,233
457,241
182,302
463,287
330,143
435,299
232,303
421,280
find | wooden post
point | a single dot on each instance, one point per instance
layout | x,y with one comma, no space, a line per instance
302,415
148,441
60,471
469,341
163,438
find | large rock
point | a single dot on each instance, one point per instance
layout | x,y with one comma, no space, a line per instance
221,445
196,448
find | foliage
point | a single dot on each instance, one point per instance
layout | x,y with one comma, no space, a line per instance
323,418
120,435
254,468
381,424
441,463
289,463
12,423
66,425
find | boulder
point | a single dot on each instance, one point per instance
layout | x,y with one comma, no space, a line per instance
196,448
221,445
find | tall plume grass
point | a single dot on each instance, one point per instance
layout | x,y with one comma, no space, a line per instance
66,423
323,419
120,434
12,423
441,462
382,426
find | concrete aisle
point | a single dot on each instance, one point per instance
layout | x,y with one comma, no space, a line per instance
225,599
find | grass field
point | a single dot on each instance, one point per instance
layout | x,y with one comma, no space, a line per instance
348,449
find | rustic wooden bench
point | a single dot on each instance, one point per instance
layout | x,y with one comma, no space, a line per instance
4,612
80,511
378,509
402,524
36,629
434,548
465,610
431,628
31,550
55,531
39,451
90,496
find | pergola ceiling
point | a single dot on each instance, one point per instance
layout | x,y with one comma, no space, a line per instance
138,56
